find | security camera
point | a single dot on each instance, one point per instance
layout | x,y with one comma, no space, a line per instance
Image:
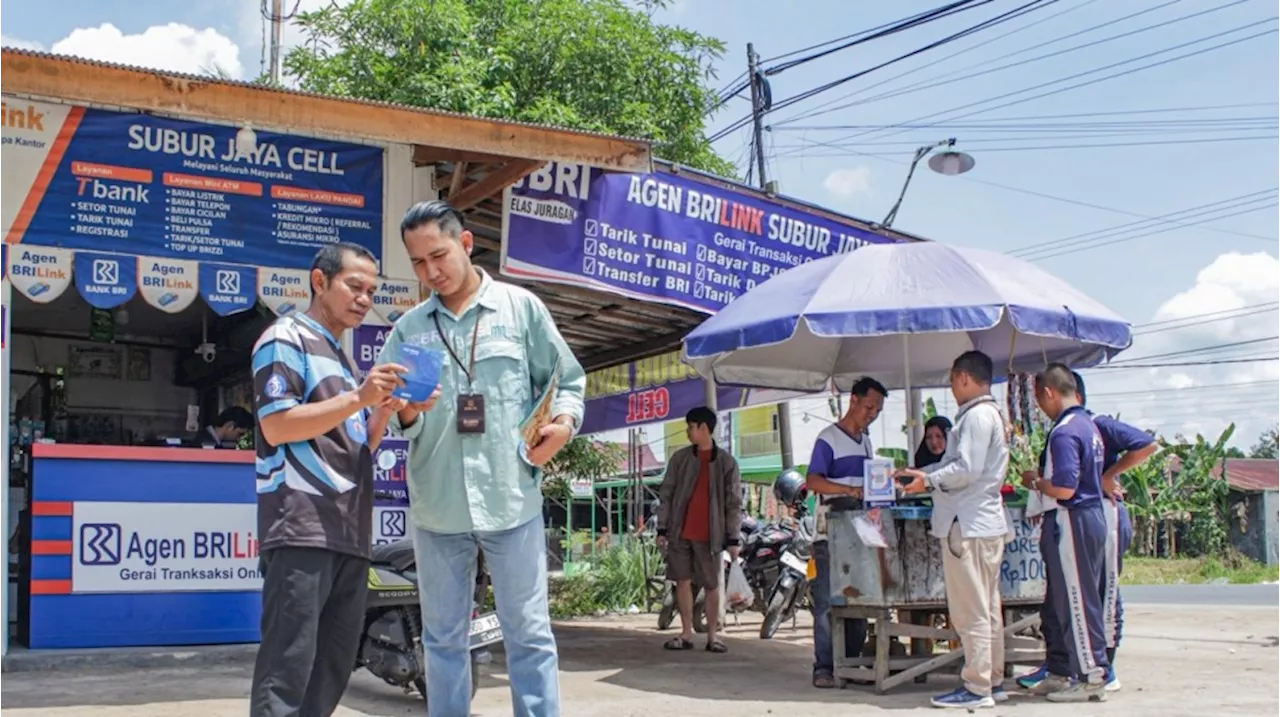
207,351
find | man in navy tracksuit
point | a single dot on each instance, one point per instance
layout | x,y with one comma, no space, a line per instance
1125,448
1073,542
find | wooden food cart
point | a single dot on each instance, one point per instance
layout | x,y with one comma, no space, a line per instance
904,580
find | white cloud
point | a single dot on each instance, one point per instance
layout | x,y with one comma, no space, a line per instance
848,184
1221,308
176,47
19,44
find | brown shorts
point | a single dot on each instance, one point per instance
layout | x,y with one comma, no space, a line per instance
688,560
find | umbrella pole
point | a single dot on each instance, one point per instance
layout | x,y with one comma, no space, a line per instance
911,400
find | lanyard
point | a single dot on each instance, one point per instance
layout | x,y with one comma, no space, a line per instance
469,369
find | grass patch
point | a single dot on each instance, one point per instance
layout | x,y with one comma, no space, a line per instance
611,581
1195,571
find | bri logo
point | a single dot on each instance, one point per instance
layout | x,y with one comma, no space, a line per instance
100,544
393,524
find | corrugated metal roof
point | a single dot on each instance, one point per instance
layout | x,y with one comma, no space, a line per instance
1253,474
210,80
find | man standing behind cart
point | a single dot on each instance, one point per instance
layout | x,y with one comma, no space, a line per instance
469,487
699,512
836,470
1073,538
968,517
315,440
1126,447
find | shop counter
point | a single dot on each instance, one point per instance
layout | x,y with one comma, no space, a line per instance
142,547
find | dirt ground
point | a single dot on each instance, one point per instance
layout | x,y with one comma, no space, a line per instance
1174,661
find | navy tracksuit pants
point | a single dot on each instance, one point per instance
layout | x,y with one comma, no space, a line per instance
1073,546
1119,537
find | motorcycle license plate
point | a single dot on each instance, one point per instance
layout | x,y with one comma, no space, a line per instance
485,630
791,560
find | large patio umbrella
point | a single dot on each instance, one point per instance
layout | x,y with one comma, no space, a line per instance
901,313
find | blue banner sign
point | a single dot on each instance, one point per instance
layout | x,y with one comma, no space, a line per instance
106,280
138,184
658,237
227,288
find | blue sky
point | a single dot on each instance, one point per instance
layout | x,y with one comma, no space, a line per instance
1177,272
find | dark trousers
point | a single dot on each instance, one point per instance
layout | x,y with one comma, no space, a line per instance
1111,576
1073,547
313,604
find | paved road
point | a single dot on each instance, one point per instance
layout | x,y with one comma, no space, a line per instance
1233,595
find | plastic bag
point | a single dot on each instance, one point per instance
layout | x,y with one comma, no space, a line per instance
737,587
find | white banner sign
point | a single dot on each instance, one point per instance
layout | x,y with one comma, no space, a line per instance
168,284
39,273
392,300
285,291
30,134
390,524
164,547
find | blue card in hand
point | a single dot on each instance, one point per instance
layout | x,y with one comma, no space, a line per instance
424,372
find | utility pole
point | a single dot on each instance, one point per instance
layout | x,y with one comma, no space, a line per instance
277,28
757,122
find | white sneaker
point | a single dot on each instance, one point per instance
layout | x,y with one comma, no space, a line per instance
1080,692
1113,685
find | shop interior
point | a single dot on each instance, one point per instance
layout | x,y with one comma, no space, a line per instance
129,376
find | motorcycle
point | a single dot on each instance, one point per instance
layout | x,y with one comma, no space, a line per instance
670,609
791,587
391,645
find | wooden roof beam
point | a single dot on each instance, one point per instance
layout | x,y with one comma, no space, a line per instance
239,103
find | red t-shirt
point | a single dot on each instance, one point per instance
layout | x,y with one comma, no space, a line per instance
697,516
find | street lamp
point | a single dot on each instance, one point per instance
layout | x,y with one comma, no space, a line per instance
949,163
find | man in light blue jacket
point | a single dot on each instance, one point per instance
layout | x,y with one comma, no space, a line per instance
969,519
469,486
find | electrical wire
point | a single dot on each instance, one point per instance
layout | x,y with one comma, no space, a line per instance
1074,250
917,20
1077,202
1216,362
1201,387
1086,83
1211,317
1142,224
1005,17
1052,147
939,80
939,61
1202,349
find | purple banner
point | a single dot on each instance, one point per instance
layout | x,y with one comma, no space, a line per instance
390,463
658,237
652,390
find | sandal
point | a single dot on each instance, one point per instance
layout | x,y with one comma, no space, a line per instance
677,643
716,646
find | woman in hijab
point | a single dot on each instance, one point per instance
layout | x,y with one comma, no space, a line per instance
935,441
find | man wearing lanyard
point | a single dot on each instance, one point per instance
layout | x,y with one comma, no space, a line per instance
1073,541
836,470
1125,448
469,487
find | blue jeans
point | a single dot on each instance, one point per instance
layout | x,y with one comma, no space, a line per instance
517,563
855,631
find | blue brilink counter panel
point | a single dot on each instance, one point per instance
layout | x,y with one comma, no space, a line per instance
143,547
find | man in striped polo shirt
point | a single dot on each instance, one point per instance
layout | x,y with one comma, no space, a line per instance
317,429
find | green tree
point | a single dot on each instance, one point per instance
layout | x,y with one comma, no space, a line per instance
581,458
596,65
1268,445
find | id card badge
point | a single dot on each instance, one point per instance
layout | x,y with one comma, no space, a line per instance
471,413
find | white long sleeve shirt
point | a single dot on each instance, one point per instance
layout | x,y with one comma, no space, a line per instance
965,484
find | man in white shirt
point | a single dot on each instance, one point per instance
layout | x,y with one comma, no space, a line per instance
969,519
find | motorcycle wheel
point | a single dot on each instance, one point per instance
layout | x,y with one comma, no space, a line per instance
700,614
667,614
420,684
774,613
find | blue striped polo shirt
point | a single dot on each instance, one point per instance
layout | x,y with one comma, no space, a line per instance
316,493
